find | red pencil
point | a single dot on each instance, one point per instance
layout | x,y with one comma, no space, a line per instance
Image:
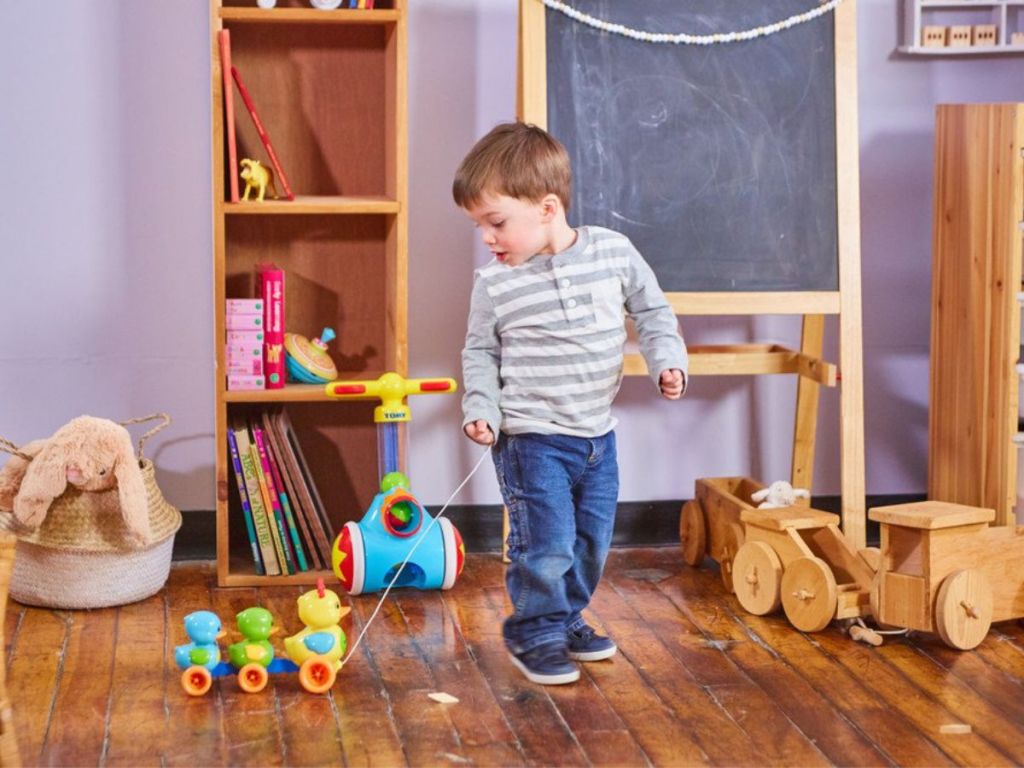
224,40
263,134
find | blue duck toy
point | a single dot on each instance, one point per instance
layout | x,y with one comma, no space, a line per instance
203,628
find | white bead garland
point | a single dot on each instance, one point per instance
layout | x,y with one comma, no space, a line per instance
683,37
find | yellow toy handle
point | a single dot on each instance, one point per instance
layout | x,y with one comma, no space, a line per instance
391,389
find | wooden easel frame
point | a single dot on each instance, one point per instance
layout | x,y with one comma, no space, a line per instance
814,306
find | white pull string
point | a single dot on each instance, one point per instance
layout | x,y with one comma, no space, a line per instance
419,541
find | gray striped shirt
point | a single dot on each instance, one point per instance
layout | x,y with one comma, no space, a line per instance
544,349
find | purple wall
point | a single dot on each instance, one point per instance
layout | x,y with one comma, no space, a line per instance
105,247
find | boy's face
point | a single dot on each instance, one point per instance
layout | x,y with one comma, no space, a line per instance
515,230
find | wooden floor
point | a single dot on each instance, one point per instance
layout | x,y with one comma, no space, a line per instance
697,681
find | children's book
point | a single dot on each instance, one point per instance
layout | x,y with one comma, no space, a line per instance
273,507
260,520
300,460
271,280
278,464
249,105
243,495
282,509
224,42
320,534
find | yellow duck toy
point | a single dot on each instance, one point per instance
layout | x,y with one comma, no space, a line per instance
320,610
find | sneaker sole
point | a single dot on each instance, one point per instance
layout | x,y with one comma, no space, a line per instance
533,677
607,653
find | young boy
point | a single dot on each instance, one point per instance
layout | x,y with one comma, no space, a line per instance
541,365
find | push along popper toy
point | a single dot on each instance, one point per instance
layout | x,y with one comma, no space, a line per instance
314,652
368,555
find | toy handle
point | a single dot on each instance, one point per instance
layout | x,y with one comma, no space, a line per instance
431,386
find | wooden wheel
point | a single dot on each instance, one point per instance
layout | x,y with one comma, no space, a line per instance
692,533
963,609
809,594
756,574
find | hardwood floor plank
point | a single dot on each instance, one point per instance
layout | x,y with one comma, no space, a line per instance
78,720
34,675
193,724
310,723
849,715
249,722
737,739
426,732
697,681
138,687
895,671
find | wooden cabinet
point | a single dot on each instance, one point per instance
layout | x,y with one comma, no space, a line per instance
330,89
997,21
976,316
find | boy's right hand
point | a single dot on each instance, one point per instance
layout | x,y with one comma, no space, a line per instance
479,432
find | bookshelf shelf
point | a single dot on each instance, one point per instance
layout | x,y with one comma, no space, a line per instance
1005,16
296,393
329,204
308,16
330,90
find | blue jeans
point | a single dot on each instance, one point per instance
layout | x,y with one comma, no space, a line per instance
561,493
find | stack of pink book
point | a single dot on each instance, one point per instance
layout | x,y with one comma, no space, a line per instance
245,323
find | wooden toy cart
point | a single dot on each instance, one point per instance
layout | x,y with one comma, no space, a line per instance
711,524
794,556
943,569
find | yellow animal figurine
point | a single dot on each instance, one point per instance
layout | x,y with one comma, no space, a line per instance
257,175
320,610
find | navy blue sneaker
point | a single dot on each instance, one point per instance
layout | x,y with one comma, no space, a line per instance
547,665
586,645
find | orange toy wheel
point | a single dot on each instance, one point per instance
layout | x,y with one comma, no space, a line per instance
196,681
317,674
252,678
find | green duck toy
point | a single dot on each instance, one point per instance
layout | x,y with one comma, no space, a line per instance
256,626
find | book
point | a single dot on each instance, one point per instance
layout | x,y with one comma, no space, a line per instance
259,511
272,519
287,544
249,105
279,466
300,460
286,505
271,280
320,535
224,43
243,495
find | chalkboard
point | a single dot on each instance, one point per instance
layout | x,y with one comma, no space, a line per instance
719,161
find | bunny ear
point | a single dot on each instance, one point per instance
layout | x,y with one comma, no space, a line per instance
801,493
760,495
45,479
131,492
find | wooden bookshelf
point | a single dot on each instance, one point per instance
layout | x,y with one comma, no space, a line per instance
330,89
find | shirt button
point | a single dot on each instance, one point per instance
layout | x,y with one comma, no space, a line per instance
566,282
571,303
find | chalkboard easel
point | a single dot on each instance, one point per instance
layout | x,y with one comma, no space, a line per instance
734,168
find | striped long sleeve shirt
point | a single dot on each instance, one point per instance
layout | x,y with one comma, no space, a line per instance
544,348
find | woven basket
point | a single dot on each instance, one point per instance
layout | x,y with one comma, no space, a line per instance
80,557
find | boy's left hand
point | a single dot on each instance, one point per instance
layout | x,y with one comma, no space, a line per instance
671,383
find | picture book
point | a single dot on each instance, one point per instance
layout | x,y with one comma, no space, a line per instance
243,495
261,522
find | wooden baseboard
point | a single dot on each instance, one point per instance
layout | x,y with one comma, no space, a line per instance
638,524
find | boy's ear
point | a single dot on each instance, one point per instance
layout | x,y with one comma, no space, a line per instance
549,207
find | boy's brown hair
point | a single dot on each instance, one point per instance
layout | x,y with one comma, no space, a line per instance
515,159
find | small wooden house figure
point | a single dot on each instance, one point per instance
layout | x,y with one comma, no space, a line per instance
984,35
961,36
1017,38
935,37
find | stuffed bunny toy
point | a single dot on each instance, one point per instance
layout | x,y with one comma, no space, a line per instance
87,453
779,494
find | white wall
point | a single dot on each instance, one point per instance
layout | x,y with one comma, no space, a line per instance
105,247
